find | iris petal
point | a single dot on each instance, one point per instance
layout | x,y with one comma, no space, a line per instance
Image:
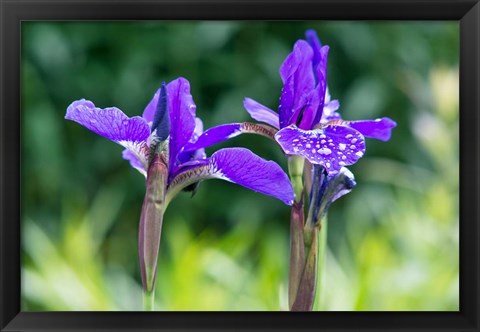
182,118
113,124
261,113
299,81
332,146
380,129
110,122
224,132
241,166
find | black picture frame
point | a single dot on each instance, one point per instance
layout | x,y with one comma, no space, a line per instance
13,12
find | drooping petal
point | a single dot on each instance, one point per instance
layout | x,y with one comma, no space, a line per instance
113,124
380,129
240,166
134,161
332,146
110,122
224,132
298,78
261,113
182,117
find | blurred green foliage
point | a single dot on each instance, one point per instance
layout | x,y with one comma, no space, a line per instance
392,242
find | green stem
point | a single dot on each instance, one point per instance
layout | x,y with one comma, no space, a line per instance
295,170
322,250
148,301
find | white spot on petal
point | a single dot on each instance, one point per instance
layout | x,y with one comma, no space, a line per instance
325,151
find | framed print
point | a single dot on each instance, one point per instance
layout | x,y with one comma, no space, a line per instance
344,135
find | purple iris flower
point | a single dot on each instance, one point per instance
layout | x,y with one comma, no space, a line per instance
155,145
307,123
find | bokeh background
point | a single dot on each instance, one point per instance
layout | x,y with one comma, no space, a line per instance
392,242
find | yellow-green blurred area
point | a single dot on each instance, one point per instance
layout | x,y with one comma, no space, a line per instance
392,242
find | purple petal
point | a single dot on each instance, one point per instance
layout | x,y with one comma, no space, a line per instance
380,129
113,124
320,55
245,168
241,166
299,81
224,132
182,117
321,80
309,110
134,161
193,154
110,122
261,113
332,146
215,135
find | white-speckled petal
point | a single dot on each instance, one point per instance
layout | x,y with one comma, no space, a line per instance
332,146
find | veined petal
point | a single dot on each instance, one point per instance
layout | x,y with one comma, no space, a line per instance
298,78
261,113
110,122
241,166
224,132
113,124
380,129
332,146
182,117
